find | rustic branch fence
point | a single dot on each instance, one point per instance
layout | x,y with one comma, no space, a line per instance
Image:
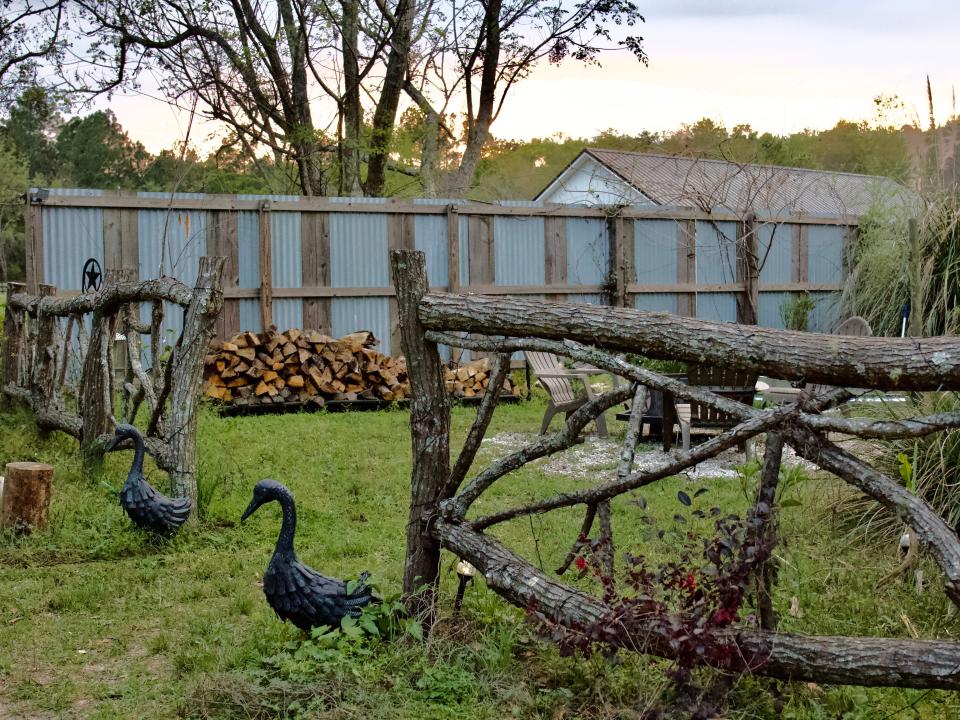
442,499
45,336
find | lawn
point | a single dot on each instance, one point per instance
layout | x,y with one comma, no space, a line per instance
97,620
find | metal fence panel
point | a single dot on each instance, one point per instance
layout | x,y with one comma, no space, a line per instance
588,251
775,244
719,307
430,232
285,249
351,314
655,252
825,248
70,237
656,302
358,250
768,312
716,252
518,250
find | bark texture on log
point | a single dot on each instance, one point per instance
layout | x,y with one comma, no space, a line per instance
186,362
844,660
108,299
430,432
25,500
881,363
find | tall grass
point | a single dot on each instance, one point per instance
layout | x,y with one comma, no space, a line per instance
882,266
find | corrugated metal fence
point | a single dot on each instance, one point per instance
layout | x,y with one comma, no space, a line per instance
323,262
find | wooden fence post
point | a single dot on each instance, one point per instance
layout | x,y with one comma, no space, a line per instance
453,249
44,368
95,400
748,248
266,267
430,432
199,327
12,328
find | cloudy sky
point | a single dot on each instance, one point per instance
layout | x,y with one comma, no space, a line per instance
780,65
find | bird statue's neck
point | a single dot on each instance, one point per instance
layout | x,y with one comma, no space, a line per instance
136,469
288,528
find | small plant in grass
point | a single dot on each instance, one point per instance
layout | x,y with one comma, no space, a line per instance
327,647
795,312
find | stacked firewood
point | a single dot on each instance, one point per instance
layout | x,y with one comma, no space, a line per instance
302,366
471,379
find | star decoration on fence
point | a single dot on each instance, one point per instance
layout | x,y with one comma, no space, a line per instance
91,276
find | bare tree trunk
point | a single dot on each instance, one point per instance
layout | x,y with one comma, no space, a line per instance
352,110
386,113
479,127
430,433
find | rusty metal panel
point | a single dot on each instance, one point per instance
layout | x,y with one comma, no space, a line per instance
656,302
716,253
825,247
775,245
430,233
718,307
655,252
70,237
351,314
518,250
588,251
358,250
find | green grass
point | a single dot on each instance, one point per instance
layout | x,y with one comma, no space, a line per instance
98,620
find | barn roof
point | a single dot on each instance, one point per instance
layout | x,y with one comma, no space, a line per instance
713,184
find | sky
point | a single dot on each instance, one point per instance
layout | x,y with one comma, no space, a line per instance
778,65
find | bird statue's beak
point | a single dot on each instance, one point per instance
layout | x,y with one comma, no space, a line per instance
114,441
251,508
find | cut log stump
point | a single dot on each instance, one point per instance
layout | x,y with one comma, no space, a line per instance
25,503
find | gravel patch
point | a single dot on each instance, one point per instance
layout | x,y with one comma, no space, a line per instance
597,458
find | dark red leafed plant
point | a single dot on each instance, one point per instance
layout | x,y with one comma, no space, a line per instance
684,606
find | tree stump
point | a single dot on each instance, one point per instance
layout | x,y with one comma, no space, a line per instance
25,502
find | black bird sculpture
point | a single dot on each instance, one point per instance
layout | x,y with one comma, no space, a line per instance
146,507
295,591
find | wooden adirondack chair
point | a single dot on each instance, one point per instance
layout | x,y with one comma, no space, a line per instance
725,381
557,381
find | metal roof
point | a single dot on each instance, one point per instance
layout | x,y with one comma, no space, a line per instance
719,184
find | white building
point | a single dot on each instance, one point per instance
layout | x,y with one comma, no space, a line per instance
618,178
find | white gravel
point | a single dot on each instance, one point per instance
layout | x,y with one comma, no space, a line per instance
596,459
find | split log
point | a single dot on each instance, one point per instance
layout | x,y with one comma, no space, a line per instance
25,497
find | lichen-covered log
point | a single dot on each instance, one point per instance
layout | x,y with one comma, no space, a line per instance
882,363
108,299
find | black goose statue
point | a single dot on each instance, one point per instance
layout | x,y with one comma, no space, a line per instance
147,508
295,591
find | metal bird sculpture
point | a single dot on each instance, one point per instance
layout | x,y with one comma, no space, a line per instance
147,508
295,591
